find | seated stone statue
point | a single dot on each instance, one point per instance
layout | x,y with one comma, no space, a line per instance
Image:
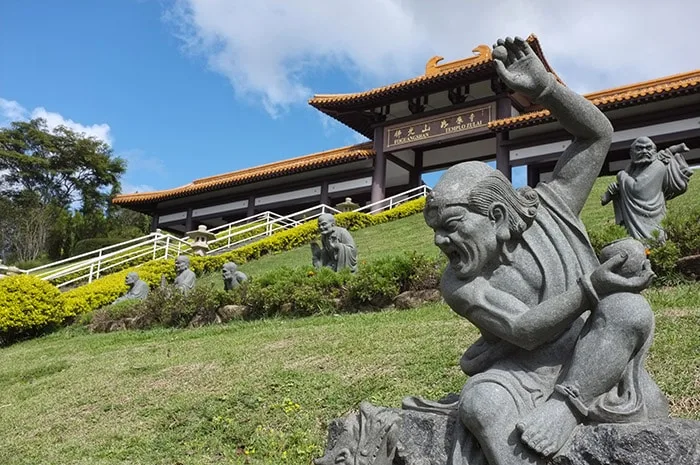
185,278
337,250
232,277
640,193
563,337
138,289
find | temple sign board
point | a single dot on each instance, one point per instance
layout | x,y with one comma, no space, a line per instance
438,128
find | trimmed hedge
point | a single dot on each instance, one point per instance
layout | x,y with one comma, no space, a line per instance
26,304
105,290
282,292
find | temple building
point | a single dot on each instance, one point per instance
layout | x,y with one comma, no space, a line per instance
454,112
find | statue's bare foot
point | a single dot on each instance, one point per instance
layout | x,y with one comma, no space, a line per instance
547,428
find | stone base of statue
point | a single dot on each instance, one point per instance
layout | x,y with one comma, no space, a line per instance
390,436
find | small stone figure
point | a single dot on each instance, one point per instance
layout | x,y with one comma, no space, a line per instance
640,193
337,250
185,278
232,277
138,289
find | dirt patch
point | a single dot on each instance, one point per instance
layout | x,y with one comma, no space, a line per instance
679,312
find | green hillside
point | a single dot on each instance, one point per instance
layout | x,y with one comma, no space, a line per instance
262,392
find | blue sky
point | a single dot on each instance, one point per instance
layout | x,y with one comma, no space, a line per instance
190,88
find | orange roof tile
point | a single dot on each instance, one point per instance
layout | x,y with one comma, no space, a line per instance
433,72
271,170
617,96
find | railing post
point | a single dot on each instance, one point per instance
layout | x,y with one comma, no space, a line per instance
179,247
90,276
99,264
155,247
391,203
229,236
167,246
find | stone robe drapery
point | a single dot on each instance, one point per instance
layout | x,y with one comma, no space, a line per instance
641,202
185,280
344,257
552,255
138,291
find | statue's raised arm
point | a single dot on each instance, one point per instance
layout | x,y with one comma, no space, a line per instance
579,165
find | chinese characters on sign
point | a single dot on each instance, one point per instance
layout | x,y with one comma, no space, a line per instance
440,127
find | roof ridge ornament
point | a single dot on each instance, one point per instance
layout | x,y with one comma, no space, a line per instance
482,54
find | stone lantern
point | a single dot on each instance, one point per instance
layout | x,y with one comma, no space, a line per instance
347,206
200,240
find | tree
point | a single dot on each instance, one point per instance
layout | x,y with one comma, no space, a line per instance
60,167
45,175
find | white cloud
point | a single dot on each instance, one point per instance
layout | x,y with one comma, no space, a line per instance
53,120
11,110
269,49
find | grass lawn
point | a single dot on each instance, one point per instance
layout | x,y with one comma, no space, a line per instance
262,392
257,392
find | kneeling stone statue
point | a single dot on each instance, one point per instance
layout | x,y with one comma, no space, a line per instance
138,289
337,250
563,336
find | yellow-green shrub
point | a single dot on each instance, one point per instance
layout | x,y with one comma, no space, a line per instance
105,290
28,303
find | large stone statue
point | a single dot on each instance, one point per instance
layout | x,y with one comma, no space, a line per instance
337,250
138,289
185,278
563,337
639,195
232,277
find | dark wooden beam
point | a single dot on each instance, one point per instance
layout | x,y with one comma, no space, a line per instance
379,175
396,160
442,166
458,94
620,124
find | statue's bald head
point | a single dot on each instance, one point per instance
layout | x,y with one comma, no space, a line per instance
642,150
476,186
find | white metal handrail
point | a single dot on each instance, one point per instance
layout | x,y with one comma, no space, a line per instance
395,200
90,265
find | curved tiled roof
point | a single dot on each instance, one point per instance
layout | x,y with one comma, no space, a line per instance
611,98
258,173
435,74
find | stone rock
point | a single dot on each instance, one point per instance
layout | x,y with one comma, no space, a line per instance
690,266
413,299
663,442
232,312
388,436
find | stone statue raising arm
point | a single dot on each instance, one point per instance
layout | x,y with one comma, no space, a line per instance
579,165
678,172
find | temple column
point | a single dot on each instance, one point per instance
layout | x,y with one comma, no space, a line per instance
188,220
533,175
251,206
379,176
503,110
154,222
324,193
414,177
